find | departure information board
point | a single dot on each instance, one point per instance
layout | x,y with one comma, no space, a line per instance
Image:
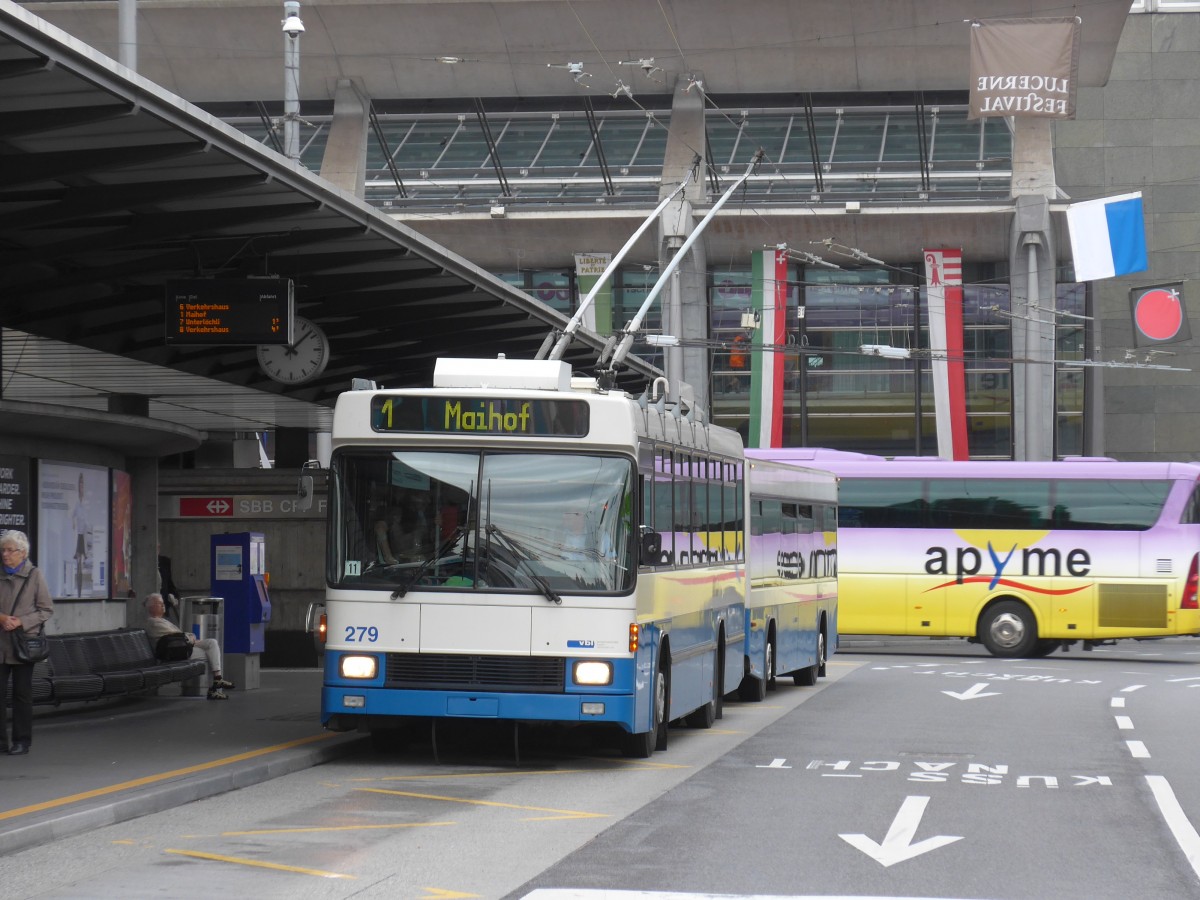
229,311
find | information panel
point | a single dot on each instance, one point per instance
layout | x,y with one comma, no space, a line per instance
14,493
226,311
479,415
73,529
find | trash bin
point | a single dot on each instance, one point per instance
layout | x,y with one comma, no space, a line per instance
203,617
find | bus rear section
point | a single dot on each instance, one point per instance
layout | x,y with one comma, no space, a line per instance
792,576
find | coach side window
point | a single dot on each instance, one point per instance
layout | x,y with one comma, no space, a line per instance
1191,512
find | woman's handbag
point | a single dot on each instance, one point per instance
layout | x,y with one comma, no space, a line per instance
29,648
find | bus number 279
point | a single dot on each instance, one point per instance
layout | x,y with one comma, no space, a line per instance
359,634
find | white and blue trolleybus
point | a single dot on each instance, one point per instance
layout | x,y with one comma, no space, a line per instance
517,544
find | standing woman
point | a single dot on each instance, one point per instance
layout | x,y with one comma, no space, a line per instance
24,603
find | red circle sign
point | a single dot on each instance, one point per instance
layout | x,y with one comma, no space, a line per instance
1158,314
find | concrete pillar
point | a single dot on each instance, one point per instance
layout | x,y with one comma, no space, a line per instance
1033,158
684,141
1032,285
345,160
143,472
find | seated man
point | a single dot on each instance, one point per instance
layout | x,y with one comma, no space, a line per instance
157,626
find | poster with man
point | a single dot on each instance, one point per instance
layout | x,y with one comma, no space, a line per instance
73,529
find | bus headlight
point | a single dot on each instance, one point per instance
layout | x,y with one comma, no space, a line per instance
359,666
595,672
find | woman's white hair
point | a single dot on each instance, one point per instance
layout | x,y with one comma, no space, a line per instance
18,539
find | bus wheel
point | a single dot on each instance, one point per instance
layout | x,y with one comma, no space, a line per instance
769,666
807,676
662,705
640,744
1008,629
752,690
706,715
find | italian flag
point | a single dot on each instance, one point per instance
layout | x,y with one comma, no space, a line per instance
768,296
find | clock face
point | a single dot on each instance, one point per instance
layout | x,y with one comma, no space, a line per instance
300,361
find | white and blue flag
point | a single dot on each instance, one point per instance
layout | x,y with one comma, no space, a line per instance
1108,237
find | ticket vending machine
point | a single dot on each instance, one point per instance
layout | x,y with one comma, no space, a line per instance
238,566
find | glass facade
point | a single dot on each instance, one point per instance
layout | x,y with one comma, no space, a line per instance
573,155
835,396
888,148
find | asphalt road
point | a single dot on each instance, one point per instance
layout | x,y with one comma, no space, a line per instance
916,769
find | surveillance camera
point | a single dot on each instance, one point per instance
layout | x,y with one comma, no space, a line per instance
292,25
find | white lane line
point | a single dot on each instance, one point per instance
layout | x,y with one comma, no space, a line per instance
1137,750
1117,703
1132,688
1185,834
1124,723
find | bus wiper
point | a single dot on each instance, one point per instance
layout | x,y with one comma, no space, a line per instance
445,545
523,558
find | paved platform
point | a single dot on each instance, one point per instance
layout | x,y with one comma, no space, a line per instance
93,765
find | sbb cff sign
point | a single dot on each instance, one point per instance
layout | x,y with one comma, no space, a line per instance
241,506
206,506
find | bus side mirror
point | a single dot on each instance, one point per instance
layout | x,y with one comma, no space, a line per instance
304,493
651,548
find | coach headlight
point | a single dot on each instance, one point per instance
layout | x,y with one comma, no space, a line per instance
359,666
594,672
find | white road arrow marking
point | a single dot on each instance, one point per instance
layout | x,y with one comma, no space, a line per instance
897,845
972,692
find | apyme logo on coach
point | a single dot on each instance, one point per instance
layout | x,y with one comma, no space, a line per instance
1008,565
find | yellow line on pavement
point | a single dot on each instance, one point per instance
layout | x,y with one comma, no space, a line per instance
320,828
452,775
162,776
614,763
196,854
561,813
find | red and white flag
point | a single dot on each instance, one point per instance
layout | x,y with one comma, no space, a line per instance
943,278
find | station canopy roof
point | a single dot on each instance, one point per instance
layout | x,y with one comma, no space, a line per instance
110,187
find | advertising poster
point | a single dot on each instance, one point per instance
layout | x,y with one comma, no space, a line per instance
14,494
122,533
73,529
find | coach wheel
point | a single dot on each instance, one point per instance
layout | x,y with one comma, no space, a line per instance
1009,630
1045,648
822,653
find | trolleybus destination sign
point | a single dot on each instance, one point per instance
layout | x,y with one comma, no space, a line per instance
480,415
